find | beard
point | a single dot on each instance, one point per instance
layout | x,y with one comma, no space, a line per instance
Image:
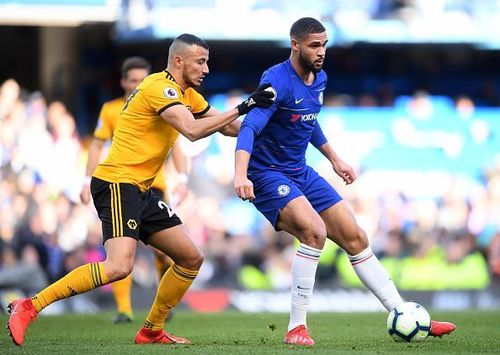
308,65
191,83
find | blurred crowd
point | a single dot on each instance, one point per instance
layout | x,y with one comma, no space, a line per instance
45,230
422,19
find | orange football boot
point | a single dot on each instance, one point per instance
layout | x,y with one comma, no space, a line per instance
145,336
22,313
299,336
438,329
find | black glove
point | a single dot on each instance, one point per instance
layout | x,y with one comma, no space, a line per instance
259,98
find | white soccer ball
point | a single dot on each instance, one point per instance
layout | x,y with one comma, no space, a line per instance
409,322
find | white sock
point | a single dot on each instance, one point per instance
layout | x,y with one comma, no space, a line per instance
304,268
376,278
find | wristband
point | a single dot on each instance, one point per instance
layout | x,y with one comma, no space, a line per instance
86,180
182,178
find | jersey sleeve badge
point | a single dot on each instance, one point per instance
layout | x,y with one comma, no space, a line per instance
170,93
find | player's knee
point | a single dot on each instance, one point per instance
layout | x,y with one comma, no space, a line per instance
198,261
193,261
123,273
118,271
357,243
313,236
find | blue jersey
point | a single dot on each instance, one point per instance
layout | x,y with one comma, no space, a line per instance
277,137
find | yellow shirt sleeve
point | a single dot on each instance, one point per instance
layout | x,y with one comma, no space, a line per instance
104,128
198,103
160,97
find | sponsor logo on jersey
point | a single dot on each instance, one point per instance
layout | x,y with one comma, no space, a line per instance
283,190
320,97
294,117
170,93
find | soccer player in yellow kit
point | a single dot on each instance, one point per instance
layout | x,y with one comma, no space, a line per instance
133,71
163,105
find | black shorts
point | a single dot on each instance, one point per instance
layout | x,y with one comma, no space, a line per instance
160,193
126,211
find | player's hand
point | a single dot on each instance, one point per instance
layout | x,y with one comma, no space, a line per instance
259,98
85,194
243,188
345,171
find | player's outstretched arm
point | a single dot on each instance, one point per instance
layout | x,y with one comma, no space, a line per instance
262,97
182,120
231,130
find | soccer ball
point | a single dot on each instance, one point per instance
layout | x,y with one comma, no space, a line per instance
409,322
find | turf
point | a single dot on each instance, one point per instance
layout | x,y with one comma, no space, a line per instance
262,333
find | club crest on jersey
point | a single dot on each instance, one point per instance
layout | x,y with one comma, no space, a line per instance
283,190
170,93
132,224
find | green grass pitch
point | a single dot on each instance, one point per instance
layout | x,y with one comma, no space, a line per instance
262,333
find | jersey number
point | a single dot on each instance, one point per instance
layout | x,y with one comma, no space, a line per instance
163,205
130,97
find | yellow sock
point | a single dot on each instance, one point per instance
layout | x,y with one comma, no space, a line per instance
121,292
162,263
82,279
173,285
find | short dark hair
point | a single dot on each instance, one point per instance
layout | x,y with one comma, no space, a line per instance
134,63
305,26
190,39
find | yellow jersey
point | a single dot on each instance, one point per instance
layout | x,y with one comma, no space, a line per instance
106,124
142,139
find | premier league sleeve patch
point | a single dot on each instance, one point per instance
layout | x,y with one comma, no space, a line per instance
170,93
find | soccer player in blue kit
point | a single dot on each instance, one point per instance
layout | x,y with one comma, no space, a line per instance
272,173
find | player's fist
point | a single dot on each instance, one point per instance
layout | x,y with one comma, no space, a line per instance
262,97
345,171
243,188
